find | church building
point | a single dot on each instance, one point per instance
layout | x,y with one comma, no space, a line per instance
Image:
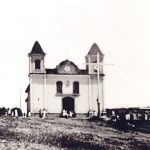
65,87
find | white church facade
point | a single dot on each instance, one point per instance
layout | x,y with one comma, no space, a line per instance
65,87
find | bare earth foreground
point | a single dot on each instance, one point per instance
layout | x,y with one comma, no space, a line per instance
60,133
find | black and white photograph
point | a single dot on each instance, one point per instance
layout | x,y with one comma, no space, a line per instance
75,75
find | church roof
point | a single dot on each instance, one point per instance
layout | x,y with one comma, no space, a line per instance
94,50
27,89
51,71
65,62
60,69
27,99
73,68
37,49
54,71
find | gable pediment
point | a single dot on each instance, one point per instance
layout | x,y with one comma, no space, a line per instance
67,67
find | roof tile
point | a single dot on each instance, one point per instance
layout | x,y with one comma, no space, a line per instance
36,49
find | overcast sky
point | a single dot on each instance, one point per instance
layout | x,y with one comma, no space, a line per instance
67,29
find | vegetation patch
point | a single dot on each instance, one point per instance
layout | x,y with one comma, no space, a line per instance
68,134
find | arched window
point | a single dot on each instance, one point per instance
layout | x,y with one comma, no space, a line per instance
59,86
76,87
37,64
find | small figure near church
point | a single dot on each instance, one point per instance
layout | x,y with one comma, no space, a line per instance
40,113
44,113
29,114
70,114
64,113
16,113
94,115
9,112
12,114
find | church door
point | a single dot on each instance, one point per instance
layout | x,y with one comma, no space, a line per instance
68,104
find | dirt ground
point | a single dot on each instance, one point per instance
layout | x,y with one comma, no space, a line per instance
54,133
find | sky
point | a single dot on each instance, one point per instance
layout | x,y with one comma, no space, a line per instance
67,29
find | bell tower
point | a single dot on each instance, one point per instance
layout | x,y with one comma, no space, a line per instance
37,74
36,59
94,57
94,66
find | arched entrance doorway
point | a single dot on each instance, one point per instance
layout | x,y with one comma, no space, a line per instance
68,104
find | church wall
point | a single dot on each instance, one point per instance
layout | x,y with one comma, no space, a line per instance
95,94
82,101
54,100
37,101
102,98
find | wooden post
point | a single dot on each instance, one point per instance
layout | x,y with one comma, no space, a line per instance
98,84
90,97
45,92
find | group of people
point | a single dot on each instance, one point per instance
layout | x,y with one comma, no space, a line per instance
66,113
14,112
